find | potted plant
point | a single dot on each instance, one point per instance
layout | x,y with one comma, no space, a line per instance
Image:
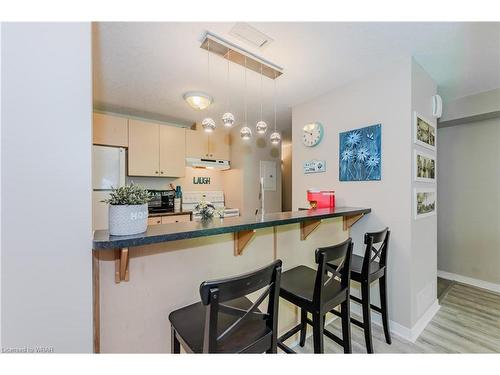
128,210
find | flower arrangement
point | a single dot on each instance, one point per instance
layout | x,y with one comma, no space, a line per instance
205,209
128,195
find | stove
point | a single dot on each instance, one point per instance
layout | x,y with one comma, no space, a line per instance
191,198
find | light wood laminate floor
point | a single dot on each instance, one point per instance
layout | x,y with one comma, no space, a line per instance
467,322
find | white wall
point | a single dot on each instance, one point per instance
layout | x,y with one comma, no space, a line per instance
469,200
384,97
46,186
423,231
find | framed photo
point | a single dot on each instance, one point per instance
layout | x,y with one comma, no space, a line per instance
424,166
424,201
424,133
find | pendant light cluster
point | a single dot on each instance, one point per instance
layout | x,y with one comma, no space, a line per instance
228,119
261,126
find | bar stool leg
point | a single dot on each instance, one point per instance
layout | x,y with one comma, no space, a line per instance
367,324
346,326
383,306
318,324
303,329
175,345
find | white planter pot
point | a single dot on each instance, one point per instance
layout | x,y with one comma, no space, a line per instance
128,220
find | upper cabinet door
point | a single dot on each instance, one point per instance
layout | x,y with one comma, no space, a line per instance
218,147
110,130
172,151
196,144
143,149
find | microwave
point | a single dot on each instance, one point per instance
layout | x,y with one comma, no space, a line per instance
161,201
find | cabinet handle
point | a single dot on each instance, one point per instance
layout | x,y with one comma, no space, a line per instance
161,172
156,172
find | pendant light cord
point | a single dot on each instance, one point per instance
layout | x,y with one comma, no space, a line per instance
208,70
274,101
261,92
228,98
246,91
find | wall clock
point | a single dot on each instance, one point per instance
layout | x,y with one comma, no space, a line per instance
312,134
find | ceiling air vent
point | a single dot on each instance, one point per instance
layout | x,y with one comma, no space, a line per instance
249,34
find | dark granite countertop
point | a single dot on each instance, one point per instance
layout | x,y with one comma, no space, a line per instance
193,229
170,213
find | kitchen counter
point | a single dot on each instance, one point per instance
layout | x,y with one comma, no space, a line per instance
181,231
139,280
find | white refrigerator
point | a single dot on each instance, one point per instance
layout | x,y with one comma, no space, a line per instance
108,170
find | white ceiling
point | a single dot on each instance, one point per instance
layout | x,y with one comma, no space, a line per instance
146,67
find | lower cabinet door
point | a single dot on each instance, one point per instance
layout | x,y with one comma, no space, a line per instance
154,220
175,219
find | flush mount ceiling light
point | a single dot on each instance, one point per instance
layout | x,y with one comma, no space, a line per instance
198,100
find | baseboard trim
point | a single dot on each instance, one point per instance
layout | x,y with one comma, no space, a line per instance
403,332
424,320
470,281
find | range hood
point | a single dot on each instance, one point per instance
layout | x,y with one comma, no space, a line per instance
208,163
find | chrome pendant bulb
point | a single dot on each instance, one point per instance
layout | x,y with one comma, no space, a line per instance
245,133
261,127
208,124
275,138
228,119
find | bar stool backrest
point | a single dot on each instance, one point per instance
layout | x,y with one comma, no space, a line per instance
341,272
214,293
377,244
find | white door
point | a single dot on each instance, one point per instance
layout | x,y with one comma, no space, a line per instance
108,167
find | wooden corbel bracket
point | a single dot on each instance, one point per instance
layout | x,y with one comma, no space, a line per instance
241,240
307,227
121,265
349,221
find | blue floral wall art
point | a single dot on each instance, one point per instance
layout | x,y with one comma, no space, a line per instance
360,154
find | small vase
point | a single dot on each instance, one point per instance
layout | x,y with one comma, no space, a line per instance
127,220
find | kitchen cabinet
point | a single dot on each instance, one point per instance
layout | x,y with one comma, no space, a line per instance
169,219
156,150
154,220
109,130
175,219
172,151
200,144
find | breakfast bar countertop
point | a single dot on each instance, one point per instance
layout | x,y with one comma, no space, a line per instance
180,231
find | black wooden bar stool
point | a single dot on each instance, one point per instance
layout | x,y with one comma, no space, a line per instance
317,292
365,270
226,321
